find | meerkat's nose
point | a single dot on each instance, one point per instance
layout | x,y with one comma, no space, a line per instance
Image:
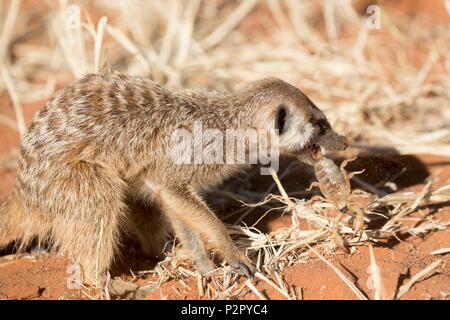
343,143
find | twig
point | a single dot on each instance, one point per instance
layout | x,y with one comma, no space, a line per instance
229,24
8,27
355,290
375,276
272,284
98,42
250,285
419,276
15,100
440,251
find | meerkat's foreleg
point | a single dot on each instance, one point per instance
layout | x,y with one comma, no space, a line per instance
193,246
152,229
184,205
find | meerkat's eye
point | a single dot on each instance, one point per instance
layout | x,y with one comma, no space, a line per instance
281,119
323,125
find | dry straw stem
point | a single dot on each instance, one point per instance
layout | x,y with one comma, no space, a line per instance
229,24
447,5
171,31
98,42
15,101
354,289
375,276
200,285
250,285
442,251
106,287
5,39
8,122
441,194
416,278
71,41
273,285
330,22
98,250
121,38
186,33
8,27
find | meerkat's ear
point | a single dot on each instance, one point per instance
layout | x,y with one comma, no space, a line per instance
280,118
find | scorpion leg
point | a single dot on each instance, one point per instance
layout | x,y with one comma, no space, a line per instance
338,240
358,223
348,176
314,184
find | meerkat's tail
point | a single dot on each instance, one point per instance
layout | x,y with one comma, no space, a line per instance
10,222
24,228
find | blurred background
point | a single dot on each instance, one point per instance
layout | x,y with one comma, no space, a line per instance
379,69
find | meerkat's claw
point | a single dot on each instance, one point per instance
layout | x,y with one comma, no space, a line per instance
241,263
244,266
245,270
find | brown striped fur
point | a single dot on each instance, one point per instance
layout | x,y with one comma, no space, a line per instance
89,152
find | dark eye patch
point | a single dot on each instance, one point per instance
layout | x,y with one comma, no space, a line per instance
281,119
323,125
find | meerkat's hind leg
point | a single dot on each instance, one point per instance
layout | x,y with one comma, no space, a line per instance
150,227
89,226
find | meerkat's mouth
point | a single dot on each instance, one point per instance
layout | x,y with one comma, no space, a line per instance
313,150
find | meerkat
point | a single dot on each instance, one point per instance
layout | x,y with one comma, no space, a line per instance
101,147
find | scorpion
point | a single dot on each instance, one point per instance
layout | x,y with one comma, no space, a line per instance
334,183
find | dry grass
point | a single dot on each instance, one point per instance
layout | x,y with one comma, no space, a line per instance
360,78
417,277
285,247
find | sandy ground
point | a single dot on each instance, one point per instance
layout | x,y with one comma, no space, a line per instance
45,277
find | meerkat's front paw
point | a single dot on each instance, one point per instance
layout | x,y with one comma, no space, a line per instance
246,270
242,265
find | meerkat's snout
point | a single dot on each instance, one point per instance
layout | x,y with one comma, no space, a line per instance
343,144
332,141
329,140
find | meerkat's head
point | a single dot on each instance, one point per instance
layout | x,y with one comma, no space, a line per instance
302,127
